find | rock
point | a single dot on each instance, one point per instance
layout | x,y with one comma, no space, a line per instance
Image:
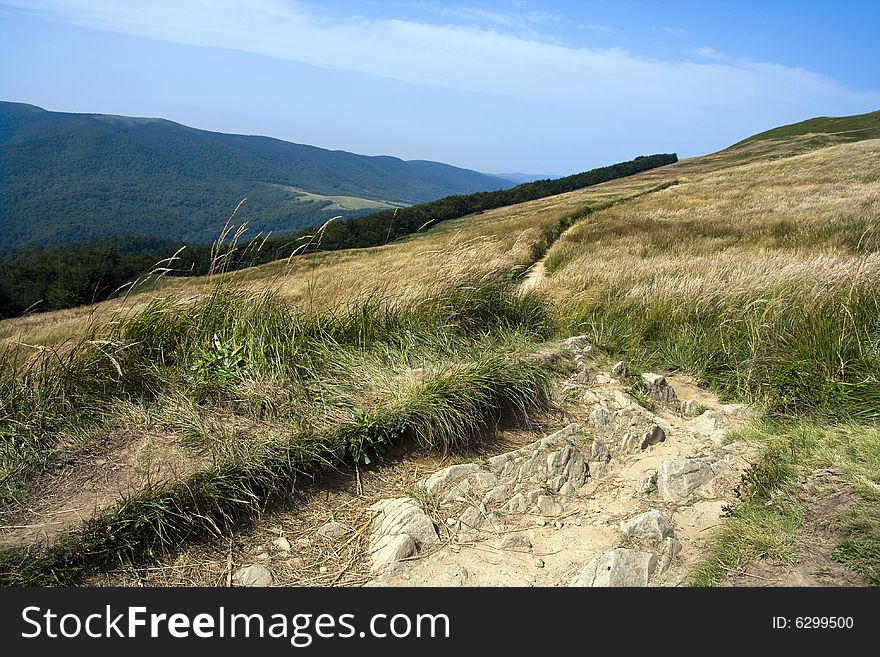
568,463
539,563
648,483
304,542
517,504
452,521
652,436
558,524
253,575
334,530
689,407
651,528
618,567
540,521
670,550
484,481
567,489
282,544
497,494
678,478
514,541
389,550
657,387
623,400
263,556
472,518
619,369
447,477
462,573
581,378
547,506
403,515
578,344
599,451
323,569
591,397
602,379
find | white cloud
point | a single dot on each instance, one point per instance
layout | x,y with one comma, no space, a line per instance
708,53
462,57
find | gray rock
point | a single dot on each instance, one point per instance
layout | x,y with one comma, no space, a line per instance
651,528
678,478
602,379
581,378
517,504
599,451
547,506
670,550
657,387
618,567
689,407
334,530
648,483
623,400
652,436
472,518
497,494
515,541
389,550
578,344
403,515
567,489
447,477
253,575
619,369
484,481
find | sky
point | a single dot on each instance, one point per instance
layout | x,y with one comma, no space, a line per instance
497,86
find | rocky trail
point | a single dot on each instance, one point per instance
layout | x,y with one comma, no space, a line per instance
626,496
624,486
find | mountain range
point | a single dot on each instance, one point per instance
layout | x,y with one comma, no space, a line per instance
78,177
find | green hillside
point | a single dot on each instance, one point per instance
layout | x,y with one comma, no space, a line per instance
79,177
835,128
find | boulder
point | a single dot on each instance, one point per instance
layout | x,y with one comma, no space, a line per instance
253,575
618,567
651,528
678,478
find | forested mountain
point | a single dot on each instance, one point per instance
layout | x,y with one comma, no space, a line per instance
79,177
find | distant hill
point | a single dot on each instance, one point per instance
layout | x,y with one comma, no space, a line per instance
520,178
77,177
837,128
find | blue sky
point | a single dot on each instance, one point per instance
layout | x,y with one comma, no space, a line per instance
501,86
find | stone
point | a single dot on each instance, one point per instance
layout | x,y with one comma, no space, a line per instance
253,575
657,387
623,400
497,494
514,541
323,569
517,504
619,369
558,524
648,483
670,550
472,518
567,489
540,521
333,530
591,397
651,527
547,506
652,436
599,451
447,477
581,378
678,478
389,550
539,563
484,481
578,343
403,515
282,544
689,407
618,567
602,379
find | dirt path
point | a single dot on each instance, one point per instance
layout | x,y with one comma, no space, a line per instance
534,276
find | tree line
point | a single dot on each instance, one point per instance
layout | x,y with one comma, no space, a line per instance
64,276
